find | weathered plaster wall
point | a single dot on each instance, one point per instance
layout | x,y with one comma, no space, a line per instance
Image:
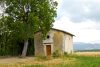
68,43
49,41
58,41
51,34
38,43
55,40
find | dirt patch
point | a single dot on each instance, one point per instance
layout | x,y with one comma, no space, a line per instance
14,59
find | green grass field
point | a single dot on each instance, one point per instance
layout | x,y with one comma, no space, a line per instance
78,59
81,61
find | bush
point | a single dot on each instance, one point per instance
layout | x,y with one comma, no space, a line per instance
66,54
56,54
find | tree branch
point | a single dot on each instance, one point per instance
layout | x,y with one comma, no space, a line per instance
18,18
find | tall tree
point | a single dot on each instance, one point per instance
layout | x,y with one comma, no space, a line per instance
1,25
3,29
30,16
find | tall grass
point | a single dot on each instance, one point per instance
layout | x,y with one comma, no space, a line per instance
67,61
36,66
88,54
80,61
43,58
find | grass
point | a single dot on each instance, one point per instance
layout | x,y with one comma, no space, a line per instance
81,61
36,66
88,54
43,58
75,60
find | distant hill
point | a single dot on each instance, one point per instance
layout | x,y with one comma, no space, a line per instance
92,50
85,46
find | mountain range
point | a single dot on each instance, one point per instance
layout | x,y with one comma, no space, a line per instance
84,46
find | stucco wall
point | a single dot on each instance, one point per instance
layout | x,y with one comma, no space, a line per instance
49,41
55,40
38,43
68,43
58,41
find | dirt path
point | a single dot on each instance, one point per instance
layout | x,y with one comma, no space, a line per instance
15,59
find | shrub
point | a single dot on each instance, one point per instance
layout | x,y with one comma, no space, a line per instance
56,54
66,54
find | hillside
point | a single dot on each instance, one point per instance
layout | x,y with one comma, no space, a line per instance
85,46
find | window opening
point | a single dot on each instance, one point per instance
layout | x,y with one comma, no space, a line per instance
48,36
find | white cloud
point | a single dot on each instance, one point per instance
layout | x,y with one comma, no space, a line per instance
86,9
84,31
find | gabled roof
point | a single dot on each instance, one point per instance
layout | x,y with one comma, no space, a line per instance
62,31
59,30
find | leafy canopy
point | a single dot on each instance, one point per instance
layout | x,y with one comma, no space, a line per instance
34,14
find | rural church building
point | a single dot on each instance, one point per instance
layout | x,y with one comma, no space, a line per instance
56,40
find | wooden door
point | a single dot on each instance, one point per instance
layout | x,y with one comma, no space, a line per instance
48,50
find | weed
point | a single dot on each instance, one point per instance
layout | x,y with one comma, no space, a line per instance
56,54
66,54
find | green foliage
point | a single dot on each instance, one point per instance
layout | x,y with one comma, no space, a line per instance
25,17
34,14
66,54
30,50
14,48
56,54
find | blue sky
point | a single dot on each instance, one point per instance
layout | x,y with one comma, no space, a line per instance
81,18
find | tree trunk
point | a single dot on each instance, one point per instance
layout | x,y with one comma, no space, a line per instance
25,47
25,43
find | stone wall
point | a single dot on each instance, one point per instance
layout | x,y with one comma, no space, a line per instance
38,43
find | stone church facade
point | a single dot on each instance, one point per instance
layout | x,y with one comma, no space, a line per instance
56,40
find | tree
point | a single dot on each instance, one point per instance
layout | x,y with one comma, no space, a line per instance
0,32
4,31
30,16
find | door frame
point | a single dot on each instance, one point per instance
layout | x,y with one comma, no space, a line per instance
45,47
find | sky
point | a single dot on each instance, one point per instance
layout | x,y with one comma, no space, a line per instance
81,18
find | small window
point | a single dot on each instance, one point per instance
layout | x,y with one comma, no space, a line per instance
48,36
69,38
